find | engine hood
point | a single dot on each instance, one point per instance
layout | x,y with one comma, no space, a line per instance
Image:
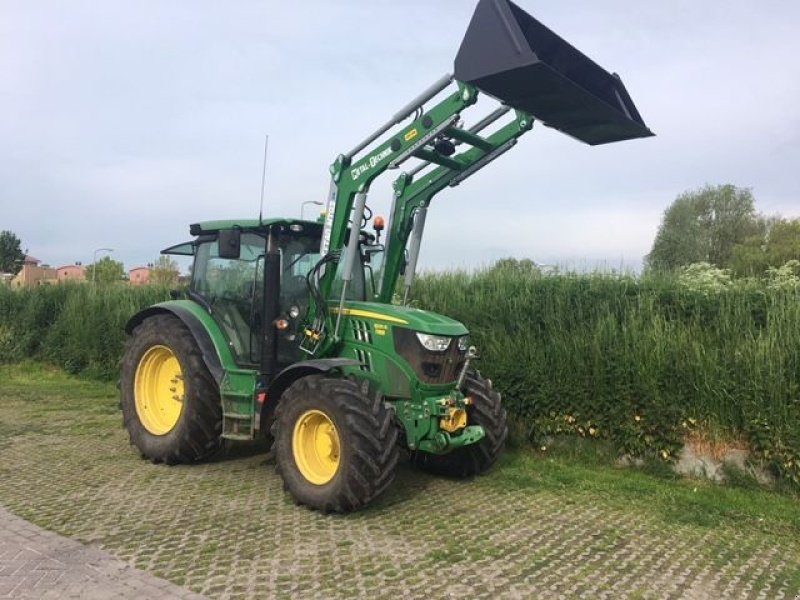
404,316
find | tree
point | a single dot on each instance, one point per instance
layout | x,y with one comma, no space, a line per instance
105,270
680,239
783,242
525,265
11,254
704,226
165,271
775,245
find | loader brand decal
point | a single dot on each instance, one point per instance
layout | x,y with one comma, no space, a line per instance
373,162
368,314
411,135
328,227
359,170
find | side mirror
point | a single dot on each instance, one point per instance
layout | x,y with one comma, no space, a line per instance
368,251
230,243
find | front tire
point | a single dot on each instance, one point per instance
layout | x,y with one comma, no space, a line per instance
486,410
335,443
170,402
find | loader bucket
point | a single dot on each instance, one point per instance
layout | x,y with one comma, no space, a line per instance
511,56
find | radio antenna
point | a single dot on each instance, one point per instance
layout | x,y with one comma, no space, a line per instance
263,180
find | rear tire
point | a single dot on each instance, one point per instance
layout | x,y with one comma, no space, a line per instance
335,443
170,402
487,410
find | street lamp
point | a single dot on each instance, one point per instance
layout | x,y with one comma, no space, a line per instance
303,205
94,261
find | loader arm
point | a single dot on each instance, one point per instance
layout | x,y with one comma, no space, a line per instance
412,196
505,54
351,176
351,180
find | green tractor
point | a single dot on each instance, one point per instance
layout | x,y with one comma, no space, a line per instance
289,326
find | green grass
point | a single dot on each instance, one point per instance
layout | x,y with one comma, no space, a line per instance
578,469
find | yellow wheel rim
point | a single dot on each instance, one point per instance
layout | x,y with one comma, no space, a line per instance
315,443
159,390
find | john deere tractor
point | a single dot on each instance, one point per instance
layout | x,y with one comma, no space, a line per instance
292,328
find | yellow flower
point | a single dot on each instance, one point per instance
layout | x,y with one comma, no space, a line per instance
637,418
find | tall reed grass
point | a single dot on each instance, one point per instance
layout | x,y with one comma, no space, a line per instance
638,361
76,326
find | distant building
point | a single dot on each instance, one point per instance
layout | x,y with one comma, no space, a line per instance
33,273
139,276
71,273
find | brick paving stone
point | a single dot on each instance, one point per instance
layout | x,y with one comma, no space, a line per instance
226,529
36,563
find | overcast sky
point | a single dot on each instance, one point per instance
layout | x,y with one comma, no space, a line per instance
122,122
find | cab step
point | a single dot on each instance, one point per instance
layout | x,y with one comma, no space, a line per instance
238,395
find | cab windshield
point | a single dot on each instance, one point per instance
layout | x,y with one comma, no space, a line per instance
234,289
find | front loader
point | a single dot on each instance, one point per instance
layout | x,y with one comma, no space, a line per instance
289,326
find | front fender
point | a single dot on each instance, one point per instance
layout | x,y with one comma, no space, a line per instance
212,343
308,367
294,372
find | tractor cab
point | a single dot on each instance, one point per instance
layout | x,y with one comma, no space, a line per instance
228,280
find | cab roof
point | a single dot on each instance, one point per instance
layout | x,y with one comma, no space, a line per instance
263,224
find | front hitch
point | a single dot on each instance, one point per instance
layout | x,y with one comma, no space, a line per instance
444,442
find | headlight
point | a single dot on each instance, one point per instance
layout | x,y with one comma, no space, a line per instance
434,343
463,343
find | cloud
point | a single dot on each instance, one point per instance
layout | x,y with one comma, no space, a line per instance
124,122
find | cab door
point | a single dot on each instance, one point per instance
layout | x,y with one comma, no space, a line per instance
233,289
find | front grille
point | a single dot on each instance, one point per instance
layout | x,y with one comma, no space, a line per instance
430,367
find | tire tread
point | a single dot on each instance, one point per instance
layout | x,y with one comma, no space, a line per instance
197,435
373,456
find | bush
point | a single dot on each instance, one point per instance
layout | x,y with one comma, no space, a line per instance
786,277
704,277
636,361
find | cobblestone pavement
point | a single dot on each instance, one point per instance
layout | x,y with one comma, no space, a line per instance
35,563
225,529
